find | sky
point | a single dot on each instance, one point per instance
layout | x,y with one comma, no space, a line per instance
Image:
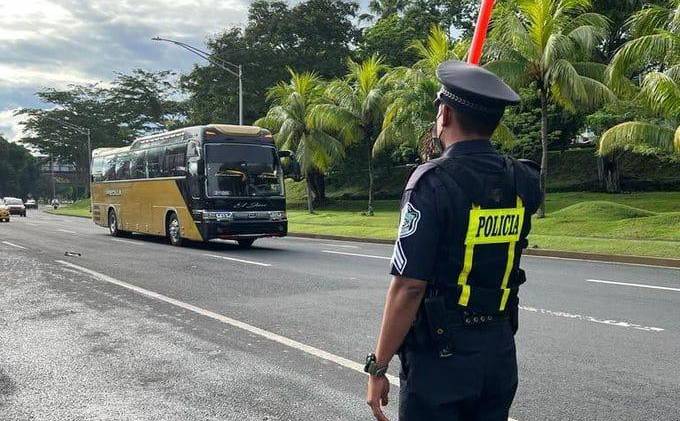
53,43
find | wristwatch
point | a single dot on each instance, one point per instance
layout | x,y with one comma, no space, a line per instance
373,368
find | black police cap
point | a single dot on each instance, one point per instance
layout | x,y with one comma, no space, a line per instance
473,88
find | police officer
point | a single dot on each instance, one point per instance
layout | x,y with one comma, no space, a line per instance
451,309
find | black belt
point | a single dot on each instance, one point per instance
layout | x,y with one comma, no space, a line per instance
473,319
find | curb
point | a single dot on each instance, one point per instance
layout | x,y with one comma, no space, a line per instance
606,258
64,214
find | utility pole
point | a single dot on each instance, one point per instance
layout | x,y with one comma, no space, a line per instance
54,187
236,69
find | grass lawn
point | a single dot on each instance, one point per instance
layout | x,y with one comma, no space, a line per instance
78,208
642,224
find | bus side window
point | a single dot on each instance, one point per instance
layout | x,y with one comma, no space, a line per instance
123,168
97,169
138,165
153,158
175,157
109,168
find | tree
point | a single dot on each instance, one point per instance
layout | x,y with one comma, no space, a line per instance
314,35
653,57
524,121
292,120
19,171
357,108
385,8
548,44
390,38
133,105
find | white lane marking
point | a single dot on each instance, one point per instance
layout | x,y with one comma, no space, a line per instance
118,240
250,262
340,245
66,231
633,285
14,245
604,262
592,319
228,320
370,256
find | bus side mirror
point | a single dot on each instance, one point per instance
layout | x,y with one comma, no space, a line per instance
292,170
285,154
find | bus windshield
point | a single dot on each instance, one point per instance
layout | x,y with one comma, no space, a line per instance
237,170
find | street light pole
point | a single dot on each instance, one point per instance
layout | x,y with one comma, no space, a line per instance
236,69
240,95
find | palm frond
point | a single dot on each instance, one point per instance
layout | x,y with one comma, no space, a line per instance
638,52
662,94
648,20
513,72
588,37
504,135
591,69
640,137
563,78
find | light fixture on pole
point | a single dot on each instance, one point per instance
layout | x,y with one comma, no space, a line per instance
236,69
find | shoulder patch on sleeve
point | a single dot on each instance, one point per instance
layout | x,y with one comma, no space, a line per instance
410,216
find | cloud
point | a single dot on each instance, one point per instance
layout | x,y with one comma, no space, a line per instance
10,125
53,43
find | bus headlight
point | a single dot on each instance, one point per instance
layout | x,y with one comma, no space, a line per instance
277,215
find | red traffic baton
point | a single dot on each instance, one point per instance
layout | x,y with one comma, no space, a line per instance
475,53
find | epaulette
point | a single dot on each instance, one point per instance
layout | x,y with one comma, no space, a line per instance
419,173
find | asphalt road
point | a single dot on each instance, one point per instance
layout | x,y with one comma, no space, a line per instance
136,329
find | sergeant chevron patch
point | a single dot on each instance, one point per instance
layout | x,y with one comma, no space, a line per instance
399,258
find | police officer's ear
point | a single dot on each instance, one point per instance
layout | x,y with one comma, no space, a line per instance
446,116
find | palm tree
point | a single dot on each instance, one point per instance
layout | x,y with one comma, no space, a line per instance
410,114
653,57
294,127
548,44
355,109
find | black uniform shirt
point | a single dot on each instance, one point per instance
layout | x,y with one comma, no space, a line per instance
425,210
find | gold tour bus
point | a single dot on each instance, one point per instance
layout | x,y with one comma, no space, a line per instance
197,183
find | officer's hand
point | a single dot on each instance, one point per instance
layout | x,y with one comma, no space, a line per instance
378,389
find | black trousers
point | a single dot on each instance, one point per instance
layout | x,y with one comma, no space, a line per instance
476,383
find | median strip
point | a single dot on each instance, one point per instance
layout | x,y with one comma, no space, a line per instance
250,262
291,343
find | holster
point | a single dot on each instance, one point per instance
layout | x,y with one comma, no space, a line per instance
513,313
439,325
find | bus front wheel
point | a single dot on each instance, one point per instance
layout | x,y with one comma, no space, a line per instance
245,243
173,230
113,224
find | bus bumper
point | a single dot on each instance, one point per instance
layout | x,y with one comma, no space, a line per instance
243,229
